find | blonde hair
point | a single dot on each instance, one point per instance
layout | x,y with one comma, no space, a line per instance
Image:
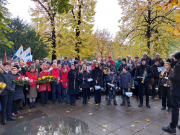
83,68
167,63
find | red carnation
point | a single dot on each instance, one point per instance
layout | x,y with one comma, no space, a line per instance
16,78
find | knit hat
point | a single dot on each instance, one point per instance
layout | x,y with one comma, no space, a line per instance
16,66
177,55
124,59
125,68
75,62
109,57
32,66
112,70
143,59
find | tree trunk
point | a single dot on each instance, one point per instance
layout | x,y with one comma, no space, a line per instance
53,38
78,33
148,26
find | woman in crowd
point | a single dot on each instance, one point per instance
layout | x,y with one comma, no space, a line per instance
73,88
32,89
65,81
97,76
164,84
18,94
84,84
44,88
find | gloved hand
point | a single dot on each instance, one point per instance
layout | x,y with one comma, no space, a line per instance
136,82
146,75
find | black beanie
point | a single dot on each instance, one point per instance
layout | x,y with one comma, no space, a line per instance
177,55
124,59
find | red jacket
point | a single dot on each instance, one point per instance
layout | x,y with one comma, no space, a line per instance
68,69
33,77
44,86
65,80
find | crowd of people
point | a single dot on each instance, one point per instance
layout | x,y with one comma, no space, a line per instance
125,74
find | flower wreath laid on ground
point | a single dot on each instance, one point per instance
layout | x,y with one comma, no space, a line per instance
45,79
22,80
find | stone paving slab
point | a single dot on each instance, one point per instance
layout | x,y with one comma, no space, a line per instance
108,120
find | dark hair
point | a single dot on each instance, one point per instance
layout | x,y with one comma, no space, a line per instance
99,66
6,63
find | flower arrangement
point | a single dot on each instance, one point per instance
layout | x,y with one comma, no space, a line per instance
45,79
22,80
2,86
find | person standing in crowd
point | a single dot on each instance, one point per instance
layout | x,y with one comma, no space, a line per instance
171,61
93,64
32,74
157,58
136,90
6,96
18,94
113,79
175,96
156,79
28,64
23,70
85,62
130,62
97,76
112,62
164,84
84,84
56,85
143,75
125,84
136,59
148,59
118,62
102,68
65,81
66,61
123,64
73,88
44,88
77,69
66,66
48,65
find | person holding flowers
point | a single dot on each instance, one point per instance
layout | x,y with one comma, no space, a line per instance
18,94
6,96
32,88
44,88
56,85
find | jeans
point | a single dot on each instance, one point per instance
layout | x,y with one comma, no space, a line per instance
166,96
141,92
124,97
112,92
154,87
16,105
65,95
58,89
175,105
44,97
6,103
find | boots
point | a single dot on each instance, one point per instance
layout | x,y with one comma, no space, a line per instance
123,103
129,105
34,105
30,105
108,103
115,103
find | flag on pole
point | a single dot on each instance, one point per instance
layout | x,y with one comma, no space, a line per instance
26,53
5,58
18,53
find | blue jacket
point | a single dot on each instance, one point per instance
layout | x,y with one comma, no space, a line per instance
69,64
110,77
60,74
125,80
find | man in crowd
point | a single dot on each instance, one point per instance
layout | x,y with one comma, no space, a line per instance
112,62
171,61
77,69
85,62
175,96
136,59
148,59
143,81
66,60
130,62
37,63
118,62
157,57
156,79
6,96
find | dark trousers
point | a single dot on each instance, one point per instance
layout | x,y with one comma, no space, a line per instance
166,96
175,105
154,87
85,94
112,92
124,97
6,103
56,88
44,97
16,105
25,99
107,89
65,95
136,90
89,93
141,92
72,99
97,95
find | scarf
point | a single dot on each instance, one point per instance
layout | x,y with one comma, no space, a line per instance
55,73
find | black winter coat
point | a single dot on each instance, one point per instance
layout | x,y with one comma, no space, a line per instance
84,83
140,72
7,78
175,80
18,94
163,81
148,61
97,74
120,69
161,62
73,90
125,80
110,77
155,71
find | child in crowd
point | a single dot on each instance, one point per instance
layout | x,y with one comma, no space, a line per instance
65,81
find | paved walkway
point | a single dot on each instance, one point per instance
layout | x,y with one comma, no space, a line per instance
104,119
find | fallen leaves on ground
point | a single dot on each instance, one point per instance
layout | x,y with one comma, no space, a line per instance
89,102
20,117
30,113
96,104
147,120
137,121
104,125
104,130
50,107
137,130
68,111
29,110
157,126
132,125
90,113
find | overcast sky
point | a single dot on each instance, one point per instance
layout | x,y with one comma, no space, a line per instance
108,13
